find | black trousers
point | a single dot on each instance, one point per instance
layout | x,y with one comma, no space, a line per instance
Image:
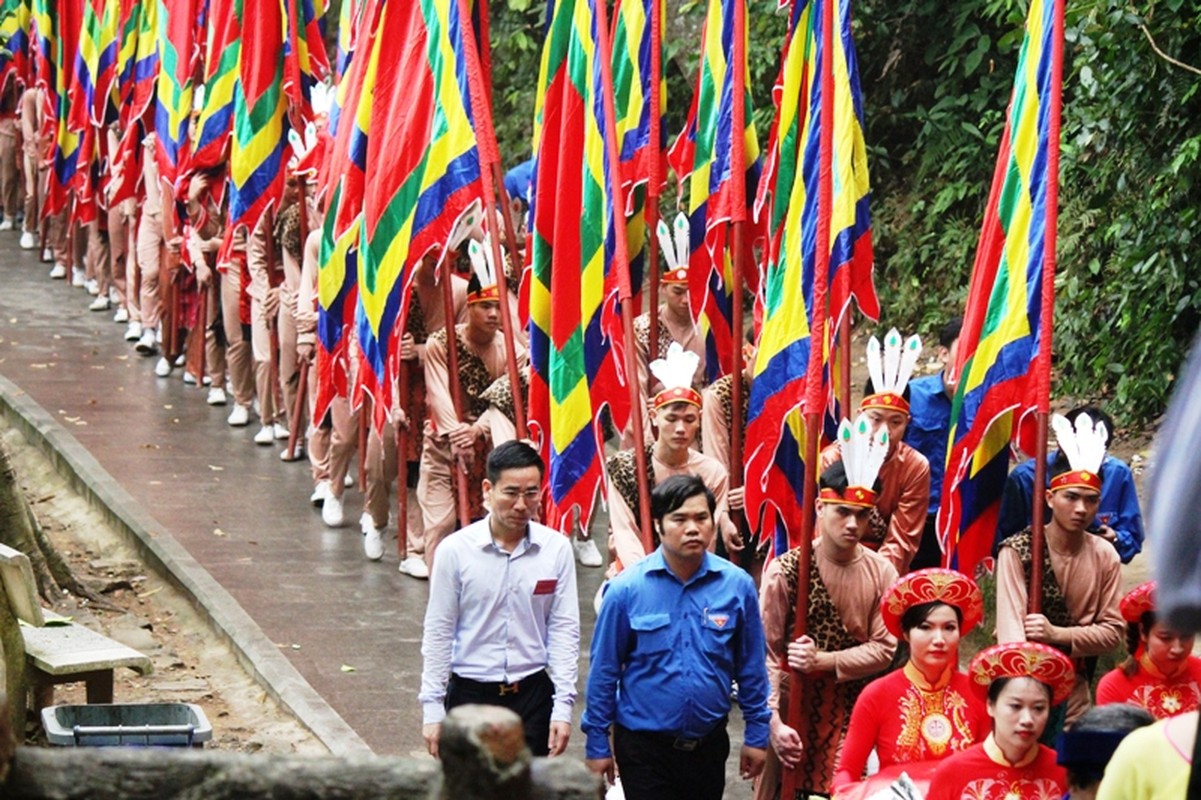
532,701
653,767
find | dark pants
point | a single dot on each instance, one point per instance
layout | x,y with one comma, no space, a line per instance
530,698
654,767
928,554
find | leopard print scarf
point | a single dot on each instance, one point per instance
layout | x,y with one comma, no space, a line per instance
623,472
474,378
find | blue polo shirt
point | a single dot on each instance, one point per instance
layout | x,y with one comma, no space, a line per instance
665,652
1119,508
929,426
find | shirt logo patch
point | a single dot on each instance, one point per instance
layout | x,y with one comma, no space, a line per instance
546,586
719,620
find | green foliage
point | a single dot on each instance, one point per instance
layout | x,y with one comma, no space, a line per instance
936,76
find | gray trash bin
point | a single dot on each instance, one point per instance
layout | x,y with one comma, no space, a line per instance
127,725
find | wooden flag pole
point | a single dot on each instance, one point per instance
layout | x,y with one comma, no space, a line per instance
452,365
297,411
814,400
625,294
654,179
402,470
737,242
1046,325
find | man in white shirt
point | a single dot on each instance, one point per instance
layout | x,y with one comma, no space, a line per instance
503,624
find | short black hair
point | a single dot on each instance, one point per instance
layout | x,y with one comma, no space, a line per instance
916,615
869,388
513,454
998,685
672,493
1096,415
950,332
835,477
1086,748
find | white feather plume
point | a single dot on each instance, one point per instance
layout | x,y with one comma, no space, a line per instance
482,263
1065,435
676,370
863,452
891,369
875,365
667,245
1083,444
683,251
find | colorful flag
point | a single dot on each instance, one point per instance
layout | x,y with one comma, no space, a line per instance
425,169
305,62
215,122
1003,322
703,154
67,27
787,205
14,31
179,53
575,339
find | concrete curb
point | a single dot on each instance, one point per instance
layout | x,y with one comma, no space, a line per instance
257,654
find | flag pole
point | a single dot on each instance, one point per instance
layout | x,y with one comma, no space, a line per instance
654,179
1046,325
814,396
737,241
402,469
452,365
297,410
622,264
489,169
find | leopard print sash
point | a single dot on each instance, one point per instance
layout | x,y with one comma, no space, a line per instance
642,335
500,393
827,703
415,326
722,391
623,473
474,378
1054,605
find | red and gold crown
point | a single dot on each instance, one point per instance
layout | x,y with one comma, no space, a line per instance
886,401
933,585
1138,601
674,244
677,275
1024,660
680,394
1076,479
482,287
863,452
1083,445
675,372
890,368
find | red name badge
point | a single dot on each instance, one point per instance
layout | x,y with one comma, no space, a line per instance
546,586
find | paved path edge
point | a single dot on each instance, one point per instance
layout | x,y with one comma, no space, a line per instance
253,649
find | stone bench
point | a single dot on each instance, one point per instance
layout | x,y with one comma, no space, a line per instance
57,650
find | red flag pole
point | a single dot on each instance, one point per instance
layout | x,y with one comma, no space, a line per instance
402,471
622,264
452,365
738,238
814,396
297,411
844,363
1046,326
654,179
489,169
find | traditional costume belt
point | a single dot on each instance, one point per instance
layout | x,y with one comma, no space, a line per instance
682,742
502,689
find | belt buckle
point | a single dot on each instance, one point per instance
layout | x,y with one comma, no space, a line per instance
687,745
510,688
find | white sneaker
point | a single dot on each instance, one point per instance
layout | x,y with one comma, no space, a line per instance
282,432
163,368
92,286
146,345
266,435
180,359
79,277
189,378
331,512
320,494
28,241
122,316
58,271
414,567
7,225
133,331
47,255
100,304
206,380
297,453
216,397
587,553
348,481
239,417
373,543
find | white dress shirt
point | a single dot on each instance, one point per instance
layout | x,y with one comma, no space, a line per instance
499,617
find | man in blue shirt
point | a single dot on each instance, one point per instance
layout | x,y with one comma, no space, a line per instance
675,630
929,425
1119,518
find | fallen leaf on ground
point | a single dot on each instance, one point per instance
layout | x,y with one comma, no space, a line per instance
347,668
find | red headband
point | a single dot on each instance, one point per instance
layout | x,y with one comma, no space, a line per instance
678,395
856,496
488,294
675,276
1076,479
885,400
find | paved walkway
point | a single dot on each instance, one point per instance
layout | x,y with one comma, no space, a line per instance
233,507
